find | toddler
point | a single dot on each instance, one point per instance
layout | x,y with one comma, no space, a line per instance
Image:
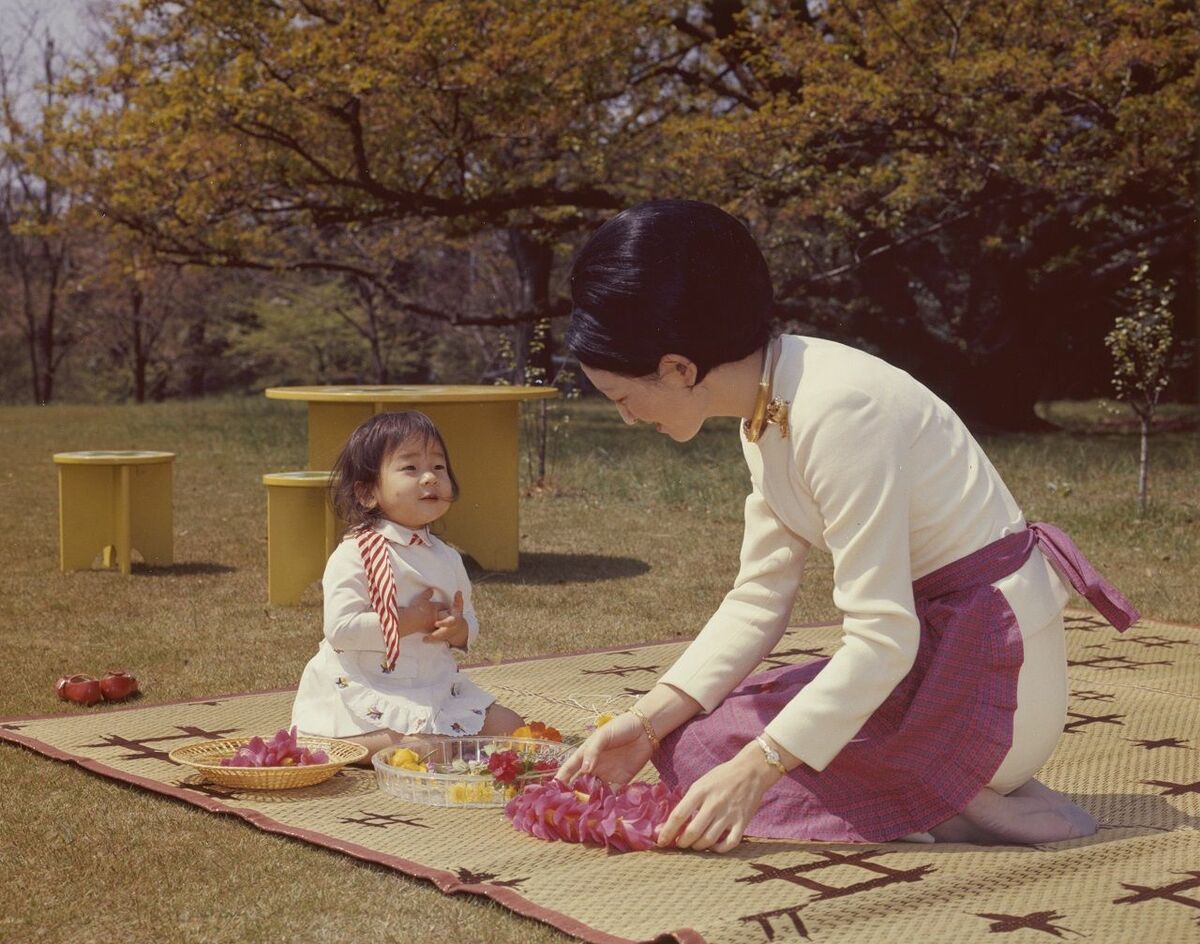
397,600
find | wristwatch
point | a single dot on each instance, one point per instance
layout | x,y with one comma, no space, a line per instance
770,754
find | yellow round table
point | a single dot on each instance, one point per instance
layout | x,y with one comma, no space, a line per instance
481,426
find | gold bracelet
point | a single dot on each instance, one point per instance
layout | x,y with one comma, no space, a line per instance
647,727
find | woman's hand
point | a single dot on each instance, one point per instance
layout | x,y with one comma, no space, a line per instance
717,808
450,626
614,752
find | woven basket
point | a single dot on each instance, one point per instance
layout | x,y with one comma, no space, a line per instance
206,757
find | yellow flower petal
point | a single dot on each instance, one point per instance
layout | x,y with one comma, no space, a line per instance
406,758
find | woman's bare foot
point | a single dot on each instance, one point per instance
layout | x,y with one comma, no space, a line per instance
1030,814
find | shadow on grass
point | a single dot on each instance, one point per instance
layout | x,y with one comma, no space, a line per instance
182,569
542,568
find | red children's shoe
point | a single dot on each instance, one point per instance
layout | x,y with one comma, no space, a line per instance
80,689
117,685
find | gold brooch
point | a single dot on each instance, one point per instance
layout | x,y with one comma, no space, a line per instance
777,413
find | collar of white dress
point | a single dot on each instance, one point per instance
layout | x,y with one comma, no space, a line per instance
398,534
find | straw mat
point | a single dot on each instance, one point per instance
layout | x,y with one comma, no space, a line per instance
1129,755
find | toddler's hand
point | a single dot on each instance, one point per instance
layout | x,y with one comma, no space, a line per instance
420,615
450,626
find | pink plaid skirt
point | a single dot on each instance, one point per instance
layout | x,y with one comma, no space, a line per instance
936,740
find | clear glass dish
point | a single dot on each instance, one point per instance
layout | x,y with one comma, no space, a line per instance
452,782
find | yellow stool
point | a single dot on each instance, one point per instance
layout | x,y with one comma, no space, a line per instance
301,532
110,503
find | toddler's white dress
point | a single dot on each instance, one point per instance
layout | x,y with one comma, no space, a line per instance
344,690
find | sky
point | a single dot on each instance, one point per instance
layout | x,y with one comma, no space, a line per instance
65,20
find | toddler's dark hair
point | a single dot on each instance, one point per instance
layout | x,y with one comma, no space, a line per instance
364,453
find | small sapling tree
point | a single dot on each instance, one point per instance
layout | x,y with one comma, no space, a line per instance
1140,344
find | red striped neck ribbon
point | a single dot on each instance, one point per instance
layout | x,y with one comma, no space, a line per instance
381,587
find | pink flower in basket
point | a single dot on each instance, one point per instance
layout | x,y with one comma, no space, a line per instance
283,750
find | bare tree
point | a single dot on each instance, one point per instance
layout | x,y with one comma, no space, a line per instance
35,248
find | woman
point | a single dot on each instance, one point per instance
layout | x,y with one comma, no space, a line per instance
949,691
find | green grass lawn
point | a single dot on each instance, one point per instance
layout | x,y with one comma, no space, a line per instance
634,539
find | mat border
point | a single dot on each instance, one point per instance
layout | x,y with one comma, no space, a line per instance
446,882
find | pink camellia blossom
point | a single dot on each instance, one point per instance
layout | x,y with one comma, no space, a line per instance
251,754
624,818
282,750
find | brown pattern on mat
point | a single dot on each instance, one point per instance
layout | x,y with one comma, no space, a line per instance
1082,720
1113,663
140,751
764,919
1174,789
1171,892
1153,642
797,874
1034,921
1161,742
1129,760
467,877
623,670
219,791
1089,695
383,820
788,656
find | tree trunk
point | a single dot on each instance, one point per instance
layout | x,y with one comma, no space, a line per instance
373,332
1144,466
534,261
45,360
34,373
534,355
377,358
32,331
138,344
43,328
196,358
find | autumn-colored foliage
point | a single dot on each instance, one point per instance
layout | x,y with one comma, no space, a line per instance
962,186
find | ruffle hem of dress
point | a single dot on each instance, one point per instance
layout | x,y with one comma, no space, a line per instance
459,713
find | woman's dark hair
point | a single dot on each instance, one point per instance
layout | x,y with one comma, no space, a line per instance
363,456
668,277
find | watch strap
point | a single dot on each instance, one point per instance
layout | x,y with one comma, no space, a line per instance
770,755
